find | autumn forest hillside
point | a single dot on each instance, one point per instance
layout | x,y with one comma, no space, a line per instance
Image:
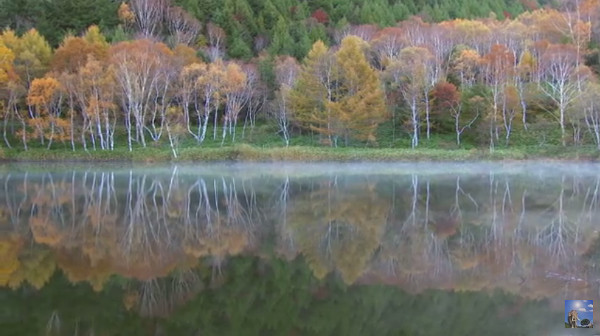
106,75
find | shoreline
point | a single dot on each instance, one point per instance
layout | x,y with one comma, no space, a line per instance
248,153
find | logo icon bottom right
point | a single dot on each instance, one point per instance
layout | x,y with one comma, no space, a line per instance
579,313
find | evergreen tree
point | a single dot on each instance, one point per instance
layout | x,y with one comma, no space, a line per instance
238,46
282,43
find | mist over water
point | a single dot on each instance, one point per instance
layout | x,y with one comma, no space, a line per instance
409,248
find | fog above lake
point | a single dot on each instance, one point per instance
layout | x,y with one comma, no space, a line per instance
527,229
247,169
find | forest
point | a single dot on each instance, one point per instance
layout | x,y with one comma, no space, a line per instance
178,74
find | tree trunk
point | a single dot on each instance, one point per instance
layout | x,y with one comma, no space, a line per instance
415,136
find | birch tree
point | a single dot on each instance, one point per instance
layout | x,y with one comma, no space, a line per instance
409,74
286,73
149,15
141,70
561,80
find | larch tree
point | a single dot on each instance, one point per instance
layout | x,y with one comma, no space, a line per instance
32,53
93,35
32,57
6,63
359,101
312,92
340,95
6,76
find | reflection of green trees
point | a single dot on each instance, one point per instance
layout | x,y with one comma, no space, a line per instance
339,227
37,266
272,297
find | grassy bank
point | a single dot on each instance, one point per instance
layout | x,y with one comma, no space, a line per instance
245,152
262,144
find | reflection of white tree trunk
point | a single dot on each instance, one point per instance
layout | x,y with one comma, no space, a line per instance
412,217
427,207
282,209
493,193
15,208
415,196
455,211
556,234
153,299
185,285
518,228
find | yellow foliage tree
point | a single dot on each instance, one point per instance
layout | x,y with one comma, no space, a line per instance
313,89
359,103
7,58
339,96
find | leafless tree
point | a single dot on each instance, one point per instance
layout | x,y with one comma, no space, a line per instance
148,15
216,40
183,27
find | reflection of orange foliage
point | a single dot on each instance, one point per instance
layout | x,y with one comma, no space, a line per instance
78,267
446,227
465,259
44,231
139,265
227,241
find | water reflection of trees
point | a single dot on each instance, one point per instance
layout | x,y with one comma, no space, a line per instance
338,224
527,235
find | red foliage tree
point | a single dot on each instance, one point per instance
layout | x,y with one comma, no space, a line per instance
321,16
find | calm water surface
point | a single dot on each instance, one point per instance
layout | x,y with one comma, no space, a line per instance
297,249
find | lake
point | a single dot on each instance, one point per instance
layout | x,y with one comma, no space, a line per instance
297,249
